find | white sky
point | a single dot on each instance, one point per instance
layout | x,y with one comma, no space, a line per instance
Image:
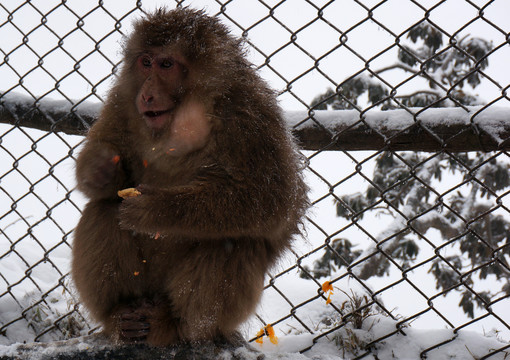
317,39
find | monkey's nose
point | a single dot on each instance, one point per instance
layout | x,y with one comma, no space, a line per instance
147,98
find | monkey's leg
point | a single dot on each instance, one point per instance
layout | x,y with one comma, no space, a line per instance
217,286
164,327
106,265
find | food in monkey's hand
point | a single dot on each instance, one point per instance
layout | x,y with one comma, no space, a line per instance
129,192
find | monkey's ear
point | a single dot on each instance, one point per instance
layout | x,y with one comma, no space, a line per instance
191,127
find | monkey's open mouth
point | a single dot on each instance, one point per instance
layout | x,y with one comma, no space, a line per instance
153,114
156,119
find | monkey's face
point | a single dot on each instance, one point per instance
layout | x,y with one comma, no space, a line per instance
169,107
162,79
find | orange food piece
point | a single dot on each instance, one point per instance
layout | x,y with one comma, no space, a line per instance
116,159
157,236
269,331
328,287
260,335
136,273
145,163
129,192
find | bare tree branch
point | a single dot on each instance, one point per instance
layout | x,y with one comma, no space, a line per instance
400,66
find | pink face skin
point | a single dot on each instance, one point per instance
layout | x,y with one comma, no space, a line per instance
158,96
180,117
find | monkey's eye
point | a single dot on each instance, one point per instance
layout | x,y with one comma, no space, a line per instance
146,61
166,63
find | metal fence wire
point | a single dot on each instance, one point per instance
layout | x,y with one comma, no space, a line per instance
408,166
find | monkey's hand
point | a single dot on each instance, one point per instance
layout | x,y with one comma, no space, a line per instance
99,172
133,323
138,212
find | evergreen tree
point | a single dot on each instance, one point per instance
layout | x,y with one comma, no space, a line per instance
465,216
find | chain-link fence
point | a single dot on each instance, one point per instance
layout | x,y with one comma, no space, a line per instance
402,110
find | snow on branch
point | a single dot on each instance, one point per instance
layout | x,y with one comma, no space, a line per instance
48,115
415,129
480,128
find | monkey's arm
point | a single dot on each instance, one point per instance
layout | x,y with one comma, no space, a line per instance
99,170
210,207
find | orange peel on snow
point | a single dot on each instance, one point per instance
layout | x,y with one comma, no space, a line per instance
269,331
260,335
327,287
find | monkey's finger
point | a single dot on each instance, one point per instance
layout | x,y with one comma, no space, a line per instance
135,326
133,316
134,335
145,189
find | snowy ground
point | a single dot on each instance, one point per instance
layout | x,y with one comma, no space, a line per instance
348,342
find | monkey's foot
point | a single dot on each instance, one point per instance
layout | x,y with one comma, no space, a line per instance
133,325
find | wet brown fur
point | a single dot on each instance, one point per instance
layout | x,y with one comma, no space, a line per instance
185,260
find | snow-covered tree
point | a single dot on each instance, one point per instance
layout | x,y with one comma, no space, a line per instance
467,215
446,70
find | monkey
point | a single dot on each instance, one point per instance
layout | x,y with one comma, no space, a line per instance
217,189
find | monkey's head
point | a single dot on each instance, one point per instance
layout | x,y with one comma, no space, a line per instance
177,63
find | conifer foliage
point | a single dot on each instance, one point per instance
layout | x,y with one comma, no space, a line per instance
468,216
